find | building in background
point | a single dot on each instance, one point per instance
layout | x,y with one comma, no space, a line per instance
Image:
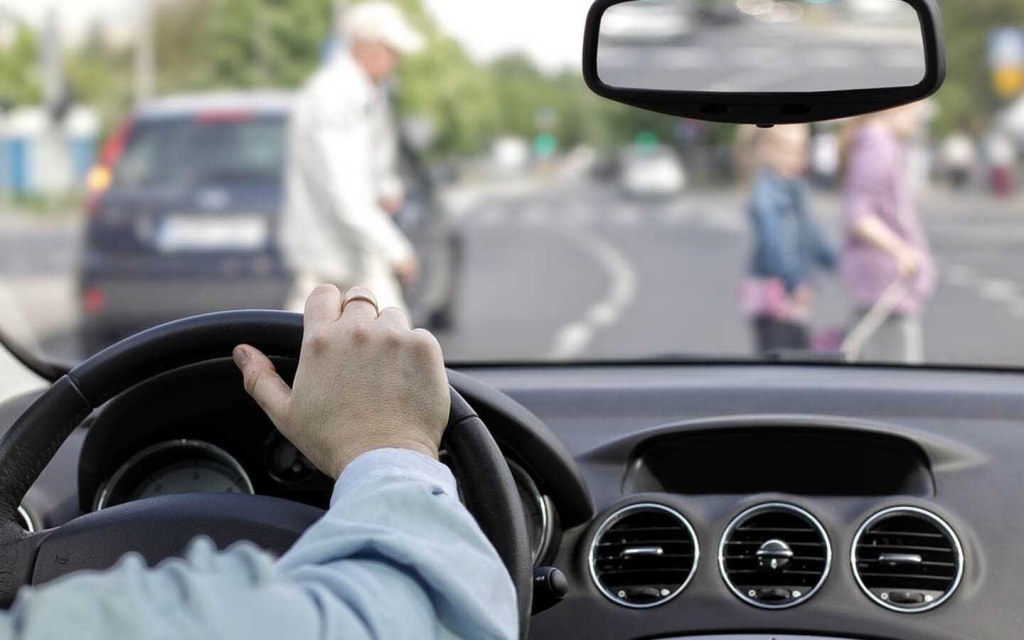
40,158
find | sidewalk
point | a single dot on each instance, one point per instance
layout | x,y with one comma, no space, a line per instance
14,378
14,219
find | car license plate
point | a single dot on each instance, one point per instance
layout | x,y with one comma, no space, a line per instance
203,232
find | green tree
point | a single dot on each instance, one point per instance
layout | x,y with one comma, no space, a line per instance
180,44
968,96
101,76
444,85
254,43
19,70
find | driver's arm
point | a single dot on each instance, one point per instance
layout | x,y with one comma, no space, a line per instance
397,556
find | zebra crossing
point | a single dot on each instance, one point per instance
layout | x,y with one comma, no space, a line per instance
621,215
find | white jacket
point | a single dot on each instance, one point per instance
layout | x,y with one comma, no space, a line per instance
342,150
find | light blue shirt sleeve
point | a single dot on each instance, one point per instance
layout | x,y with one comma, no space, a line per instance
397,556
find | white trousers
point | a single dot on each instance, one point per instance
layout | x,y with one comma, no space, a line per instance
900,340
379,278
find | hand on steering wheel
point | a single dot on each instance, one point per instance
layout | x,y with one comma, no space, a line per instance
395,389
158,528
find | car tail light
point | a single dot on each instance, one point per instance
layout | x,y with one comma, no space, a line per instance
94,300
101,176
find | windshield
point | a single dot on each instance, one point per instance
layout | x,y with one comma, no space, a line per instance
189,152
165,159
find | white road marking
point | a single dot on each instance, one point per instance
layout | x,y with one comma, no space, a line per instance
14,321
998,290
14,377
574,338
571,341
662,58
577,215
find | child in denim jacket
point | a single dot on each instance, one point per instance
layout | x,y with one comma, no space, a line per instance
788,243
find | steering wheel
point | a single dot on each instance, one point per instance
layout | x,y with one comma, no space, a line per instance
162,527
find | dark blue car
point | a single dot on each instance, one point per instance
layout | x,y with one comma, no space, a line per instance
184,211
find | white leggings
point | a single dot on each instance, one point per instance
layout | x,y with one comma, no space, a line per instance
381,282
898,340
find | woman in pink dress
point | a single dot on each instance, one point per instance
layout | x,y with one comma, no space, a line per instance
885,241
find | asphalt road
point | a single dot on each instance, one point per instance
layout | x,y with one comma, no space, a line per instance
579,272
572,270
753,56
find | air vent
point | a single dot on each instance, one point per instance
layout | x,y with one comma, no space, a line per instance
643,555
907,559
774,556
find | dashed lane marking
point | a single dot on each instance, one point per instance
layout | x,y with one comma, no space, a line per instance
574,338
998,290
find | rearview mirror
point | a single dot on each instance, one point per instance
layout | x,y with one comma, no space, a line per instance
764,61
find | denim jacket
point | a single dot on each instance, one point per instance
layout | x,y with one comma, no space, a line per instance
788,243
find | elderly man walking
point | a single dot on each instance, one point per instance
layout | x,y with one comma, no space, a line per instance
341,186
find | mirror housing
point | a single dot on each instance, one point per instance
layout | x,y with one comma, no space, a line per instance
771,108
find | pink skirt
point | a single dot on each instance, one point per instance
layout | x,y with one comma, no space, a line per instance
767,297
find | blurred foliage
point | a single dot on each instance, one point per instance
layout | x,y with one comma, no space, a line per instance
238,44
443,85
259,43
968,100
101,75
19,70
179,44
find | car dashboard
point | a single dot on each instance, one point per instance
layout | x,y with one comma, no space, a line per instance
681,501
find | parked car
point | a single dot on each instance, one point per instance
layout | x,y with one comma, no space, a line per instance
183,216
651,172
642,22
873,12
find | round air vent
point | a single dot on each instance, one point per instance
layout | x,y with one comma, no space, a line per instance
774,556
907,559
643,555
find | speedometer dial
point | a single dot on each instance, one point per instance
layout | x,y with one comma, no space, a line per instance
173,467
536,507
191,476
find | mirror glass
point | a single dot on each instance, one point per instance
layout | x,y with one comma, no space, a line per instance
769,46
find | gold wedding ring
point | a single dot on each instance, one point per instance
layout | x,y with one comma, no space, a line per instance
364,298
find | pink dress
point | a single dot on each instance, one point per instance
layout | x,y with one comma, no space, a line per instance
877,185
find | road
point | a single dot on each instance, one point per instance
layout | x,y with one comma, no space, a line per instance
579,272
755,57
572,270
